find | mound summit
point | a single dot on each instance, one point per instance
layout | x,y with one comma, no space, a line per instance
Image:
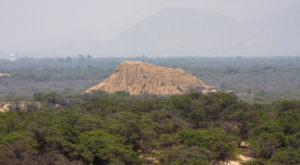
140,77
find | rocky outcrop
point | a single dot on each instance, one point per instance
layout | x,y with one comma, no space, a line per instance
20,106
4,75
4,106
140,77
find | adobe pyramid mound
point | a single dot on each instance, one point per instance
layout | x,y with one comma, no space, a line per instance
140,77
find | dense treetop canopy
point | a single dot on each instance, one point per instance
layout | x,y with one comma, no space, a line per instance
123,129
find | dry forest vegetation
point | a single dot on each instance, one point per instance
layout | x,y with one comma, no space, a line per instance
254,115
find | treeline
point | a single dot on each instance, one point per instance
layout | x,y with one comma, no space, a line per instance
123,129
252,79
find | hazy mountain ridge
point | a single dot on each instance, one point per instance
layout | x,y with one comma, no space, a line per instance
180,30
189,32
284,21
284,26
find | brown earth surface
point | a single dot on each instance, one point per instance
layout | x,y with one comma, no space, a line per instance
243,157
140,77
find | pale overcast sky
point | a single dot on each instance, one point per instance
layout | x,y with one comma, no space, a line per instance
38,24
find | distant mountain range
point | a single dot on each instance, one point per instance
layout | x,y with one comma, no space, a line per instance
189,32
180,31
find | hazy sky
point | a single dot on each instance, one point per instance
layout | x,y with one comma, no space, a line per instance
40,24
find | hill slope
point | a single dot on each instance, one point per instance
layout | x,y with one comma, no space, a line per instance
181,31
140,77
